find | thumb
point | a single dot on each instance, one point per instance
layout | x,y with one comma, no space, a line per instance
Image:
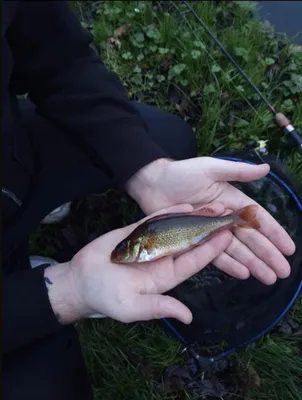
157,306
223,170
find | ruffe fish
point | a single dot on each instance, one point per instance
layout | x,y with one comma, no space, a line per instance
176,233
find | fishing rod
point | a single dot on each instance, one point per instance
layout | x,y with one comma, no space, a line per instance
280,119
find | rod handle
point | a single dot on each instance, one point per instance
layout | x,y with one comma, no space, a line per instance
288,128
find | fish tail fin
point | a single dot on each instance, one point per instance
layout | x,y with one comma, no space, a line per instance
246,217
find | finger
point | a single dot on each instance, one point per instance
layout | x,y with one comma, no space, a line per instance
231,266
269,227
244,257
259,269
155,306
224,171
227,211
261,249
166,275
196,259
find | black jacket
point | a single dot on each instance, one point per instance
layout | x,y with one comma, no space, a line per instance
47,54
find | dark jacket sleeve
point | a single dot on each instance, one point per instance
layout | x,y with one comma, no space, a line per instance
67,81
27,314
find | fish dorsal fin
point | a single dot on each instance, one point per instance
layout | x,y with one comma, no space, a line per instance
168,215
199,212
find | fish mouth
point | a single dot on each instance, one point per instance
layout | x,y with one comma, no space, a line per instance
117,257
120,257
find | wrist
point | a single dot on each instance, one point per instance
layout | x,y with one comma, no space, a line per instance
146,179
62,293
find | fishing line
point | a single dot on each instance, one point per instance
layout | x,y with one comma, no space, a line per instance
231,59
280,119
212,58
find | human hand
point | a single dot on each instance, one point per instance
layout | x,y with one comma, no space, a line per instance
90,284
204,180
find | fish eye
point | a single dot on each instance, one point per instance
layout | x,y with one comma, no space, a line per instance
122,246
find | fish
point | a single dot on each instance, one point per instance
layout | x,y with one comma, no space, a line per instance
175,233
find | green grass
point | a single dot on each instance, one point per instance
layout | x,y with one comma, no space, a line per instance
126,362
279,369
163,62
165,59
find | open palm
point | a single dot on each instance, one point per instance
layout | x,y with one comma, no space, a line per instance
130,293
204,180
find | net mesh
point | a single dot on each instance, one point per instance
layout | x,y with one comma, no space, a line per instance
233,311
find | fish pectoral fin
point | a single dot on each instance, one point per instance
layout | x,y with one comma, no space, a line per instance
198,239
204,211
